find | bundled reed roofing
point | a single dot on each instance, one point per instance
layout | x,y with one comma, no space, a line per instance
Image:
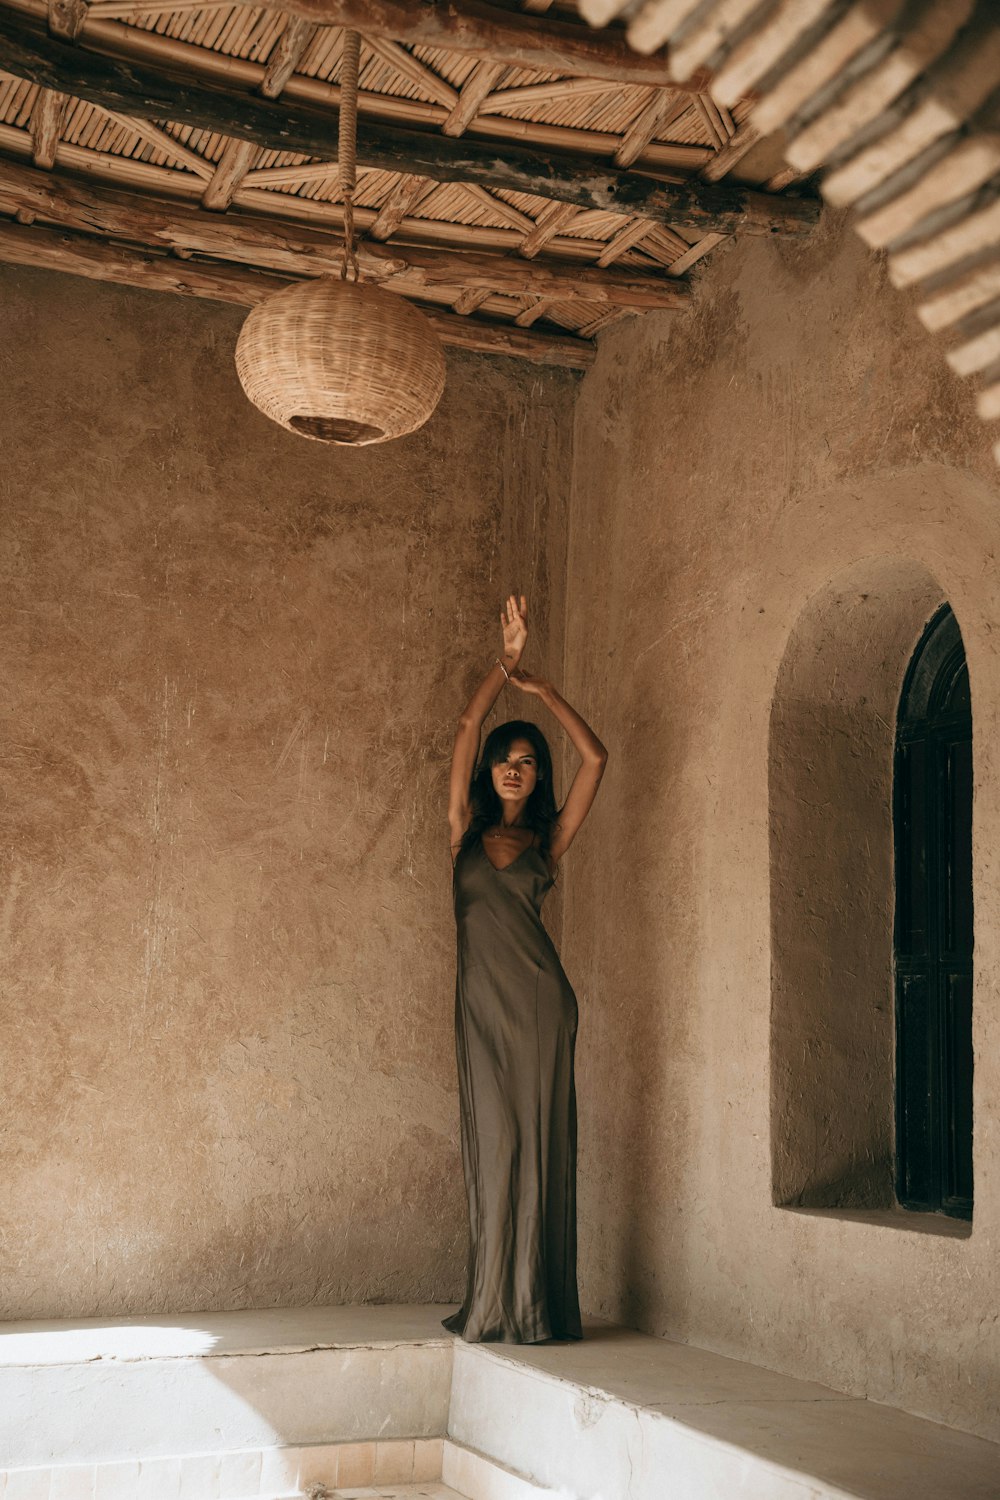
193,148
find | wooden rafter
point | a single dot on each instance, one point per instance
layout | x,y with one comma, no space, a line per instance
531,314
287,53
664,106
291,176
694,253
589,330
467,302
412,68
663,245
288,250
498,206
732,152
133,174
66,17
230,170
625,211
82,255
626,237
238,157
163,141
47,117
474,92
520,40
709,118
133,43
408,192
31,53
550,221
556,91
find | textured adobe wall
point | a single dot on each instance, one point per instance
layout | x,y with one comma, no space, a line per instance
232,661
792,433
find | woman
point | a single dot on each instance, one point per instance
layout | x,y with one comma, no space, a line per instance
515,1011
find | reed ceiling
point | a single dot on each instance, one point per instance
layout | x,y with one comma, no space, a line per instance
194,148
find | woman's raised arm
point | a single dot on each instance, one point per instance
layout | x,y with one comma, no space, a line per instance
593,759
513,620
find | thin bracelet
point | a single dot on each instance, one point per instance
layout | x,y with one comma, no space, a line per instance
503,669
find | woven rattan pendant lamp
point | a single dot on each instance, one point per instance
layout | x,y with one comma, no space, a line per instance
336,359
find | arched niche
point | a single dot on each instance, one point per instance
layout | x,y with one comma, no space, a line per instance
830,777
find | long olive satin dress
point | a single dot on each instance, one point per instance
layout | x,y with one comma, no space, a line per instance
515,1022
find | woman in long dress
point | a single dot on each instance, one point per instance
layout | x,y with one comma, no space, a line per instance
515,1010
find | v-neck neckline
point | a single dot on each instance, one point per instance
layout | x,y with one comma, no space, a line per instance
502,869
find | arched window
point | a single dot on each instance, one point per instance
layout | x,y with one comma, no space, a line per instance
932,818
869,790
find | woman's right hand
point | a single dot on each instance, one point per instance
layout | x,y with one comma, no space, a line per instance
513,619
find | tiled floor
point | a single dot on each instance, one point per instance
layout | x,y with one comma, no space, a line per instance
431,1491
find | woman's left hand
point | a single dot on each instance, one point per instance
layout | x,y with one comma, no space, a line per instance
528,682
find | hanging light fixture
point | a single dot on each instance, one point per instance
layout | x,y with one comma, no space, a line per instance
336,359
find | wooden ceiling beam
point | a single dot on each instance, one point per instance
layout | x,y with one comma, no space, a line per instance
239,156
469,300
134,44
66,17
556,91
286,54
232,167
286,249
82,255
519,40
30,52
162,140
412,68
48,115
532,313
665,106
731,153
408,192
550,222
474,92
128,173
499,207
626,237
589,330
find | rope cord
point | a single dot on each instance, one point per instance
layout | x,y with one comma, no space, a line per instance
347,156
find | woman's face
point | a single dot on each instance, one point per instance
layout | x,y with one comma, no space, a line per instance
514,778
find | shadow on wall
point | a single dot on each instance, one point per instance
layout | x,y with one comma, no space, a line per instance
830,767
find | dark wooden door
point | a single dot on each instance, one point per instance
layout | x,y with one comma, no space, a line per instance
934,930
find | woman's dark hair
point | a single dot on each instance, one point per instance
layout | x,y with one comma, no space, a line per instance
540,810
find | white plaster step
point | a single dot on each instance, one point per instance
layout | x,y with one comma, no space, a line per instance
120,1390
622,1414
271,1405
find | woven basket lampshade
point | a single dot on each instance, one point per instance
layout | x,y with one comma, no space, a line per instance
341,361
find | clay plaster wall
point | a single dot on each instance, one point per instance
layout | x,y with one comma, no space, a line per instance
793,436
232,662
